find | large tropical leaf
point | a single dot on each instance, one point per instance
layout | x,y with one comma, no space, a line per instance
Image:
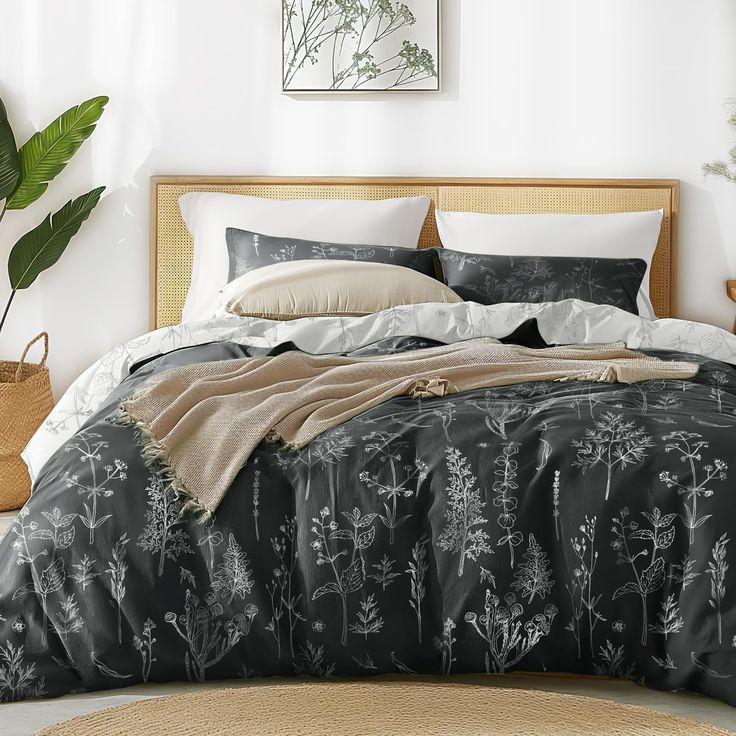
9,157
42,247
46,153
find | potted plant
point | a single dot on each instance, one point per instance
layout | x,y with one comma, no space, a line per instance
25,173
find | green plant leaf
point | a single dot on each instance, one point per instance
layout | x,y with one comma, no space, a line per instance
46,153
43,246
9,157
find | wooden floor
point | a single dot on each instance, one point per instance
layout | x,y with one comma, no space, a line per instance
23,719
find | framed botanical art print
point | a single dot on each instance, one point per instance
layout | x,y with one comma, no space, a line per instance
360,45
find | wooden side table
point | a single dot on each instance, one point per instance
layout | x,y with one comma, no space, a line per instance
731,290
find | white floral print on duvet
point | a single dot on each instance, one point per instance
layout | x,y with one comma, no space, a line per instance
570,526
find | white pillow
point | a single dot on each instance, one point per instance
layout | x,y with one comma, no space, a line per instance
396,222
294,289
620,235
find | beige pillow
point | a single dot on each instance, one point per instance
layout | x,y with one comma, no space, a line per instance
321,288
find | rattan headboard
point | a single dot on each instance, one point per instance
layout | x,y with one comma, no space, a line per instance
171,244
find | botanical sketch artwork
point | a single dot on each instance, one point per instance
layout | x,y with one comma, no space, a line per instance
359,45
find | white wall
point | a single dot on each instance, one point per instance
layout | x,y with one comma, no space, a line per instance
603,88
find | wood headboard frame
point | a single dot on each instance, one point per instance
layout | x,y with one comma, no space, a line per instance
171,244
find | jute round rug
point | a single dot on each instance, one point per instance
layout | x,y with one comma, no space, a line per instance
378,709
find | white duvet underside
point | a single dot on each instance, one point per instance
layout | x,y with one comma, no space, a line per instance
565,322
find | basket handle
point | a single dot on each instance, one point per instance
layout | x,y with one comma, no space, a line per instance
45,337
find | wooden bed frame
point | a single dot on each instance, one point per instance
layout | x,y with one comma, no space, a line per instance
171,244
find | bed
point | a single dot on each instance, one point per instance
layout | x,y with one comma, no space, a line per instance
541,526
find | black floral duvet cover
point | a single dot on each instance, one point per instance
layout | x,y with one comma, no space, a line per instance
570,527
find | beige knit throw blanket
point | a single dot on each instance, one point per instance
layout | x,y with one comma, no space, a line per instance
202,421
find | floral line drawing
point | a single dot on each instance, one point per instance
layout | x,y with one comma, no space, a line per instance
89,445
613,443
503,486
18,680
464,509
717,571
144,644
163,516
233,576
507,637
652,577
207,637
689,446
417,570
533,576
117,570
443,644
668,619
351,578
581,588
381,444
280,589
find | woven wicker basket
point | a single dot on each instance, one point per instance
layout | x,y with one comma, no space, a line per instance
25,401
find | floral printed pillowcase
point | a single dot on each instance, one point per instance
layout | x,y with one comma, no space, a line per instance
494,279
248,251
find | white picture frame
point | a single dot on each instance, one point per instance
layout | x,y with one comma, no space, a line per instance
355,46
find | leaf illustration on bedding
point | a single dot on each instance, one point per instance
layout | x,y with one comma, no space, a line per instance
208,636
281,591
117,570
84,573
50,580
212,538
533,577
612,663
144,644
669,620
107,671
368,620
719,380
614,443
366,663
683,573
96,483
418,568
499,413
385,575
717,571
326,450
504,485
508,638
580,589
689,447
443,644
463,512
311,661
666,664
652,577
17,679
388,450
351,578
708,670
233,575
161,535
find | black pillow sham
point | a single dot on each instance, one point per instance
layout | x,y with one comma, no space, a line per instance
493,279
248,251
